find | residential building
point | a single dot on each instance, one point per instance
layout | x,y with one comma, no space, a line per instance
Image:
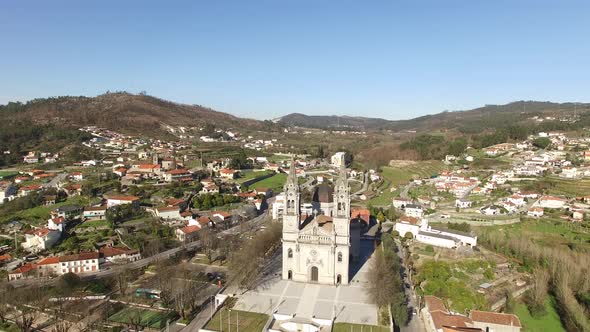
122,199
40,239
94,212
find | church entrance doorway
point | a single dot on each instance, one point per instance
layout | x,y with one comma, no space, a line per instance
290,275
338,280
314,274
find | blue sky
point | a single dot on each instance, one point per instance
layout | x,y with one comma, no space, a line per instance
266,58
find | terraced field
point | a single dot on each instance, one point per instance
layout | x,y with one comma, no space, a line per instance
396,176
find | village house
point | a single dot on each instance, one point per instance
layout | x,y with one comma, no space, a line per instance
178,175
551,202
414,210
68,212
26,190
400,203
77,263
122,199
187,233
76,176
40,239
168,212
117,255
227,173
94,212
25,271
535,212
462,203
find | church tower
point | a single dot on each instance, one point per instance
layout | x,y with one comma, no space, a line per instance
341,217
292,202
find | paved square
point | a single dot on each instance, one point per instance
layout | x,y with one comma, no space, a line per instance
348,303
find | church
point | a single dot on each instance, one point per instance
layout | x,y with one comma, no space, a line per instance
319,247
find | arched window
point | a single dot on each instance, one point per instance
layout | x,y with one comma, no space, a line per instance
340,257
290,253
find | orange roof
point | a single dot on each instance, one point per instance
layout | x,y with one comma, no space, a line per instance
5,257
42,232
167,208
49,260
116,251
435,304
495,318
190,229
79,257
24,269
203,220
408,220
227,171
363,214
148,166
441,319
221,213
124,198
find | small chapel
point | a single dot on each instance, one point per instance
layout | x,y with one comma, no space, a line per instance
319,247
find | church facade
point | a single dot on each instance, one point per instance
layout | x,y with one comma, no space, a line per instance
317,247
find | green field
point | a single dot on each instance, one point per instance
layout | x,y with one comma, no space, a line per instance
40,214
348,327
7,174
548,323
149,318
249,175
238,321
570,188
274,182
548,232
395,176
94,223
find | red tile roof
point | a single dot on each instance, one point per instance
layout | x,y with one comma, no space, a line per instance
116,251
190,229
495,318
24,269
123,198
49,260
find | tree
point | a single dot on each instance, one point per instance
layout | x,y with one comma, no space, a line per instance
535,297
122,277
69,282
542,142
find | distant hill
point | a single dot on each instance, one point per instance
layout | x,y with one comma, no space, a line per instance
124,112
486,117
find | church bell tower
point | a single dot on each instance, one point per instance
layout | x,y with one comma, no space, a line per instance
292,202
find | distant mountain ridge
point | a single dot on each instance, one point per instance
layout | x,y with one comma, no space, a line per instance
125,112
495,115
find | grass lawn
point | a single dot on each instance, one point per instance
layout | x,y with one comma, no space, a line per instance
7,174
249,175
239,321
275,182
348,327
40,214
94,223
150,318
548,323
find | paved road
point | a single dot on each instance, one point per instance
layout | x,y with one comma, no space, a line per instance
415,324
56,180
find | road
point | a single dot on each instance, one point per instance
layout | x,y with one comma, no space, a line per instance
55,181
415,324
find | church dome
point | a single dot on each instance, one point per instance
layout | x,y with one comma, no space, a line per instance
323,194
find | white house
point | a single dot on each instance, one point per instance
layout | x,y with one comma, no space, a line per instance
400,203
462,203
551,202
408,225
414,210
168,212
7,191
78,263
490,210
121,199
535,212
227,173
569,172
94,212
118,255
40,240
187,233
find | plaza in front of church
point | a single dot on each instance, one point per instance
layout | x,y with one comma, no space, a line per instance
346,303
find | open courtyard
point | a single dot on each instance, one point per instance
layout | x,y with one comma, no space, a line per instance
348,303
